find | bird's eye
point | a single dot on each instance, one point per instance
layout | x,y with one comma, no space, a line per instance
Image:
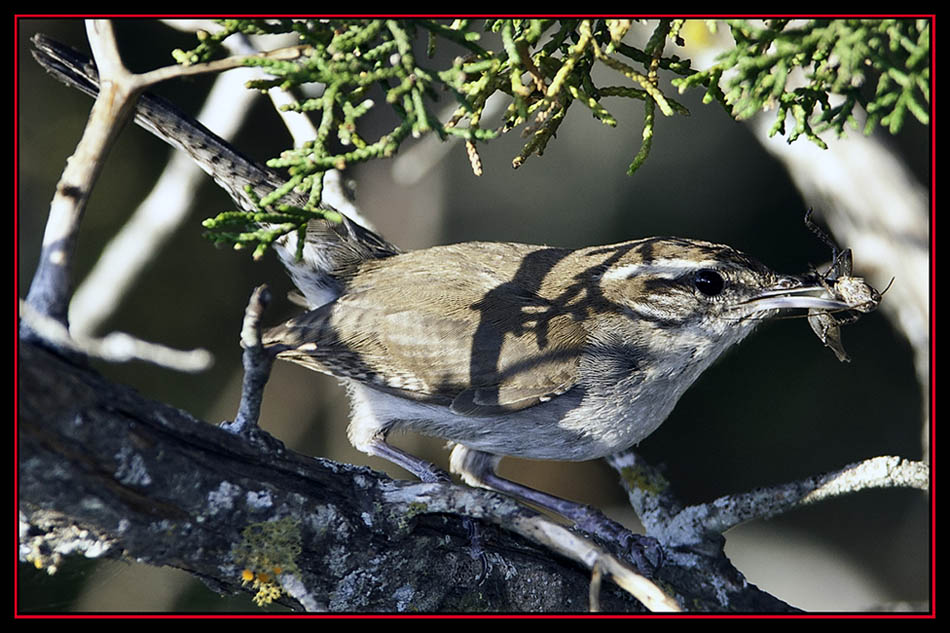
708,282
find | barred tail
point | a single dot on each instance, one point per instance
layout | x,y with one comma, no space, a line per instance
331,250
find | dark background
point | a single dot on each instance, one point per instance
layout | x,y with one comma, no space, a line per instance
778,408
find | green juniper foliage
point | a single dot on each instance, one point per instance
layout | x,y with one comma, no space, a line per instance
543,66
838,57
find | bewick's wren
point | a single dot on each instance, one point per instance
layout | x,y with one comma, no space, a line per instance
530,351
503,349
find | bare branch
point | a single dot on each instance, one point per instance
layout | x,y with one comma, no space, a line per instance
51,288
117,347
673,525
257,364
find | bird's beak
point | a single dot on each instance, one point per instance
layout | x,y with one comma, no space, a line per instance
791,292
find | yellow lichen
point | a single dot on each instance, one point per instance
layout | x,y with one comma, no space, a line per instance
266,593
268,549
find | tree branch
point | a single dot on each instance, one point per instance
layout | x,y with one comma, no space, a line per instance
667,520
51,288
107,472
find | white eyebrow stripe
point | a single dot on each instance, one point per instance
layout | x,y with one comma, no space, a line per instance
666,268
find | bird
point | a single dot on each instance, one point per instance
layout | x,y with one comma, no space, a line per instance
502,349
